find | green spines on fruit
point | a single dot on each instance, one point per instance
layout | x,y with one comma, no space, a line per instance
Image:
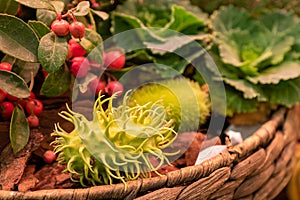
117,144
182,98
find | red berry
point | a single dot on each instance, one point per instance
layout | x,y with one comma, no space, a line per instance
77,29
34,106
44,73
75,49
3,95
60,27
97,86
5,66
11,97
31,95
33,121
80,66
6,109
113,87
115,59
49,156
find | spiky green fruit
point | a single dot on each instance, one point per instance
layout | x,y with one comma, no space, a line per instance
182,98
117,144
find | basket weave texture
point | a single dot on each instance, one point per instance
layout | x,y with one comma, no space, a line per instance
258,168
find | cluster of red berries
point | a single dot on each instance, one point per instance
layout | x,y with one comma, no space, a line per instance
80,65
62,27
31,105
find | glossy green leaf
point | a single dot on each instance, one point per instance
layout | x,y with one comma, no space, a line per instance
17,38
24,69
9,7
93,44
19,130
39,28
48,16
13,84
37,4
52,52
56,83
45,16
82,8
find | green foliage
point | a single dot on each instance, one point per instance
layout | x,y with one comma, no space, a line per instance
257,55
13,84
17,39
19,130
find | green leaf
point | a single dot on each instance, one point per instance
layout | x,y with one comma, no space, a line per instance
39,28
24,69
236,103
56,83
19,130
184,21
13,84
9,7
101,14
93,44
10,59
228,19
52,52
37,4
272,75
17,38
45,16
285,93
249,91
82,8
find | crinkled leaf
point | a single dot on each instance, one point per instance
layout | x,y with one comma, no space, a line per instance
184,21
17,38
229,19
101,14
13,84
151,13
56,83
39,28
24,69
170,45
19,130
82,8
249,91
285,93
37,4
236,103
52,52
285,71
9,7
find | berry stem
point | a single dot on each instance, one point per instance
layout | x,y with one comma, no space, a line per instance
92,20
31,81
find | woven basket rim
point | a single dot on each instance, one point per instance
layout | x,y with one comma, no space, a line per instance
184,175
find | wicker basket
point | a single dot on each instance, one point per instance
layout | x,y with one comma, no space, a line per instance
258,168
